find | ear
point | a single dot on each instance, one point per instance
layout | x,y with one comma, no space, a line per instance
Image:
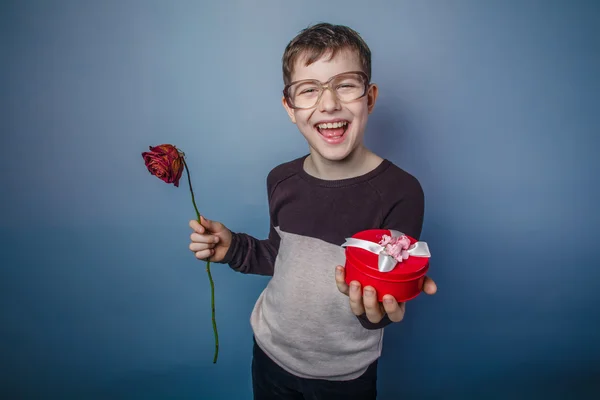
372,97
289,110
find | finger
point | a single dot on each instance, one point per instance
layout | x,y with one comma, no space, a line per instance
199,238
372,306
196,227
211,226
204,254
194,246
340,280
356,301
429,286
393,309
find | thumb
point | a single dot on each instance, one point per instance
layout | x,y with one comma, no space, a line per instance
209,225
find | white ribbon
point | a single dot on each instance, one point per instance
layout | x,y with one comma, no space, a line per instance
386,262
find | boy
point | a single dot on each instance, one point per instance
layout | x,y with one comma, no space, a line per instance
314,337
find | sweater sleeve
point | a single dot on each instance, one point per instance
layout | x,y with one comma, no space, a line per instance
405,215
407,212
250,255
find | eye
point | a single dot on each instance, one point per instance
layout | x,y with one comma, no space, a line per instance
346,86
307,91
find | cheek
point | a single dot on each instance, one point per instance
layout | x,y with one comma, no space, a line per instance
303,119
360,116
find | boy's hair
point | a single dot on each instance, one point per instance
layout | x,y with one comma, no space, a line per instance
324,39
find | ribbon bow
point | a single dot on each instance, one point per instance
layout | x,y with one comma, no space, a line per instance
386,262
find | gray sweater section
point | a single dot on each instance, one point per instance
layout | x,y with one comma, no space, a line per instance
301,320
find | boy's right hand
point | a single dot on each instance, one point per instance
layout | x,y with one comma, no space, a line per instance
210,240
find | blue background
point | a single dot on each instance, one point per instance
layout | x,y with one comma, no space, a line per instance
491,105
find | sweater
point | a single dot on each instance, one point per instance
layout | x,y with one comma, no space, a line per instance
301,320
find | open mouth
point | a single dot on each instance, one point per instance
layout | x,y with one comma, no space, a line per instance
333,132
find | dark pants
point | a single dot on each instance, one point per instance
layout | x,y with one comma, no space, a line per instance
270,381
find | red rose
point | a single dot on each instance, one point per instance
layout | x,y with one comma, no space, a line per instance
164,162
167,163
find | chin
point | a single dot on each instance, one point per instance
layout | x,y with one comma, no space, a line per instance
334,155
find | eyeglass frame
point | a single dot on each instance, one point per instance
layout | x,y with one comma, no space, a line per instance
325,86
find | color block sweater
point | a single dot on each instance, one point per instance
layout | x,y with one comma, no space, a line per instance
301,320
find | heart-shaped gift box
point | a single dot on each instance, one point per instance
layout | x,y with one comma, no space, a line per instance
368,262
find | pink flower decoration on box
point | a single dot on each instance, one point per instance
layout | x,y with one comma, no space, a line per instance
396,247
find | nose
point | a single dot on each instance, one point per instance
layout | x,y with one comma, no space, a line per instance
329,101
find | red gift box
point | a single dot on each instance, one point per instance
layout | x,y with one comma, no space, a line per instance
405,279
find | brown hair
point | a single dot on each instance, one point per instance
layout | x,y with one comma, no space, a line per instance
324,39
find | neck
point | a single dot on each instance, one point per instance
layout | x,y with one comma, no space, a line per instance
359,162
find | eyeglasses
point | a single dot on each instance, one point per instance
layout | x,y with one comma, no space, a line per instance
347,87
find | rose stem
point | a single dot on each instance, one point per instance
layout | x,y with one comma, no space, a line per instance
212,284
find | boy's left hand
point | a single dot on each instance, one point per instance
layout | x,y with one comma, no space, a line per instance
367,302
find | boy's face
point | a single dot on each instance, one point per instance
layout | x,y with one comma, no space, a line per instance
349,119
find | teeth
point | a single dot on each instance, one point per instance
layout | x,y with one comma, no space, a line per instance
330,125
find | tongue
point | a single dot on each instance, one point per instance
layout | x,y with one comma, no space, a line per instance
331,132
